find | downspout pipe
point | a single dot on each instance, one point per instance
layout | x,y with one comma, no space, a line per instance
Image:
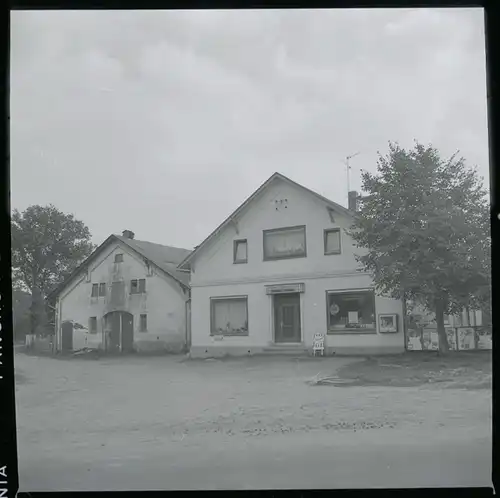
188,324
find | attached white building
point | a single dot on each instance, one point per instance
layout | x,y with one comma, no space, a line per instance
128,295
279,270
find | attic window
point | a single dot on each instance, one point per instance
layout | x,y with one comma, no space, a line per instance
95,290
118,258
286,242
332,241
240,254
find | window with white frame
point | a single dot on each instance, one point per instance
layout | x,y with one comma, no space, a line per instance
351,312
240,251
229,316
284,243
102,289
332,241
118,258
95,290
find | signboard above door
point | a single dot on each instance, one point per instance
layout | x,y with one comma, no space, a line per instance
285,288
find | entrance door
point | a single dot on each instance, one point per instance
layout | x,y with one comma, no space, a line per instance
287,318
67,336
119,326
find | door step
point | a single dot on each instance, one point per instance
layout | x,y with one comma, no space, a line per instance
290,350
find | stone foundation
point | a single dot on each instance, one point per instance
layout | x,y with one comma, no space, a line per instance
158,347
221,351
367,351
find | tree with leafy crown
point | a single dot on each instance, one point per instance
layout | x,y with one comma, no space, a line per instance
424,227
47,245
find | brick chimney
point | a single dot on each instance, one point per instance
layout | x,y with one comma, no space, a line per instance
352,201
128,234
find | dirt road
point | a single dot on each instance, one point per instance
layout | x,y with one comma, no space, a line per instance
278,462
161,424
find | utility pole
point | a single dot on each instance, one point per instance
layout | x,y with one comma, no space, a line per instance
348,170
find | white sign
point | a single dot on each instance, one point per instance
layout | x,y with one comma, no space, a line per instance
353,317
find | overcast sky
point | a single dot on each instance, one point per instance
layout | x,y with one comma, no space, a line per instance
163,122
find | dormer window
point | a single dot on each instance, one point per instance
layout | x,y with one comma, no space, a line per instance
240,251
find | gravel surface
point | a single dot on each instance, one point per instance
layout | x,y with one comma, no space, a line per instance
105,409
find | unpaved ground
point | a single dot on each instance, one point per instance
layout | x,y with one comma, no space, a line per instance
96,418
464,369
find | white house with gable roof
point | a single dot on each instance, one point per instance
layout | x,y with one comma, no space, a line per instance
278,271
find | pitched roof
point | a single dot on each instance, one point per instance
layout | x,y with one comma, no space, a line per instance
333,205
166,258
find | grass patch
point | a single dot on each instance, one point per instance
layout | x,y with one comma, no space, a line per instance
471,370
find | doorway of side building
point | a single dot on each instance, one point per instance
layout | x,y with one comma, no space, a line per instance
287,318
66,337
119,327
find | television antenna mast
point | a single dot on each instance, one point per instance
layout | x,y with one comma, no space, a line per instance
346,161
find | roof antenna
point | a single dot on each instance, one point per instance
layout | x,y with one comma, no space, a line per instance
348,171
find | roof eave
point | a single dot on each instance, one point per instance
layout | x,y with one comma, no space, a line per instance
54,294
58,290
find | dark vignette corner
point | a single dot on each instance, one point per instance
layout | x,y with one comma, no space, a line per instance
8,446
492,43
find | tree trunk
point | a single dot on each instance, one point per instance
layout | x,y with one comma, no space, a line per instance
444,347
33,317
36,297
476,335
